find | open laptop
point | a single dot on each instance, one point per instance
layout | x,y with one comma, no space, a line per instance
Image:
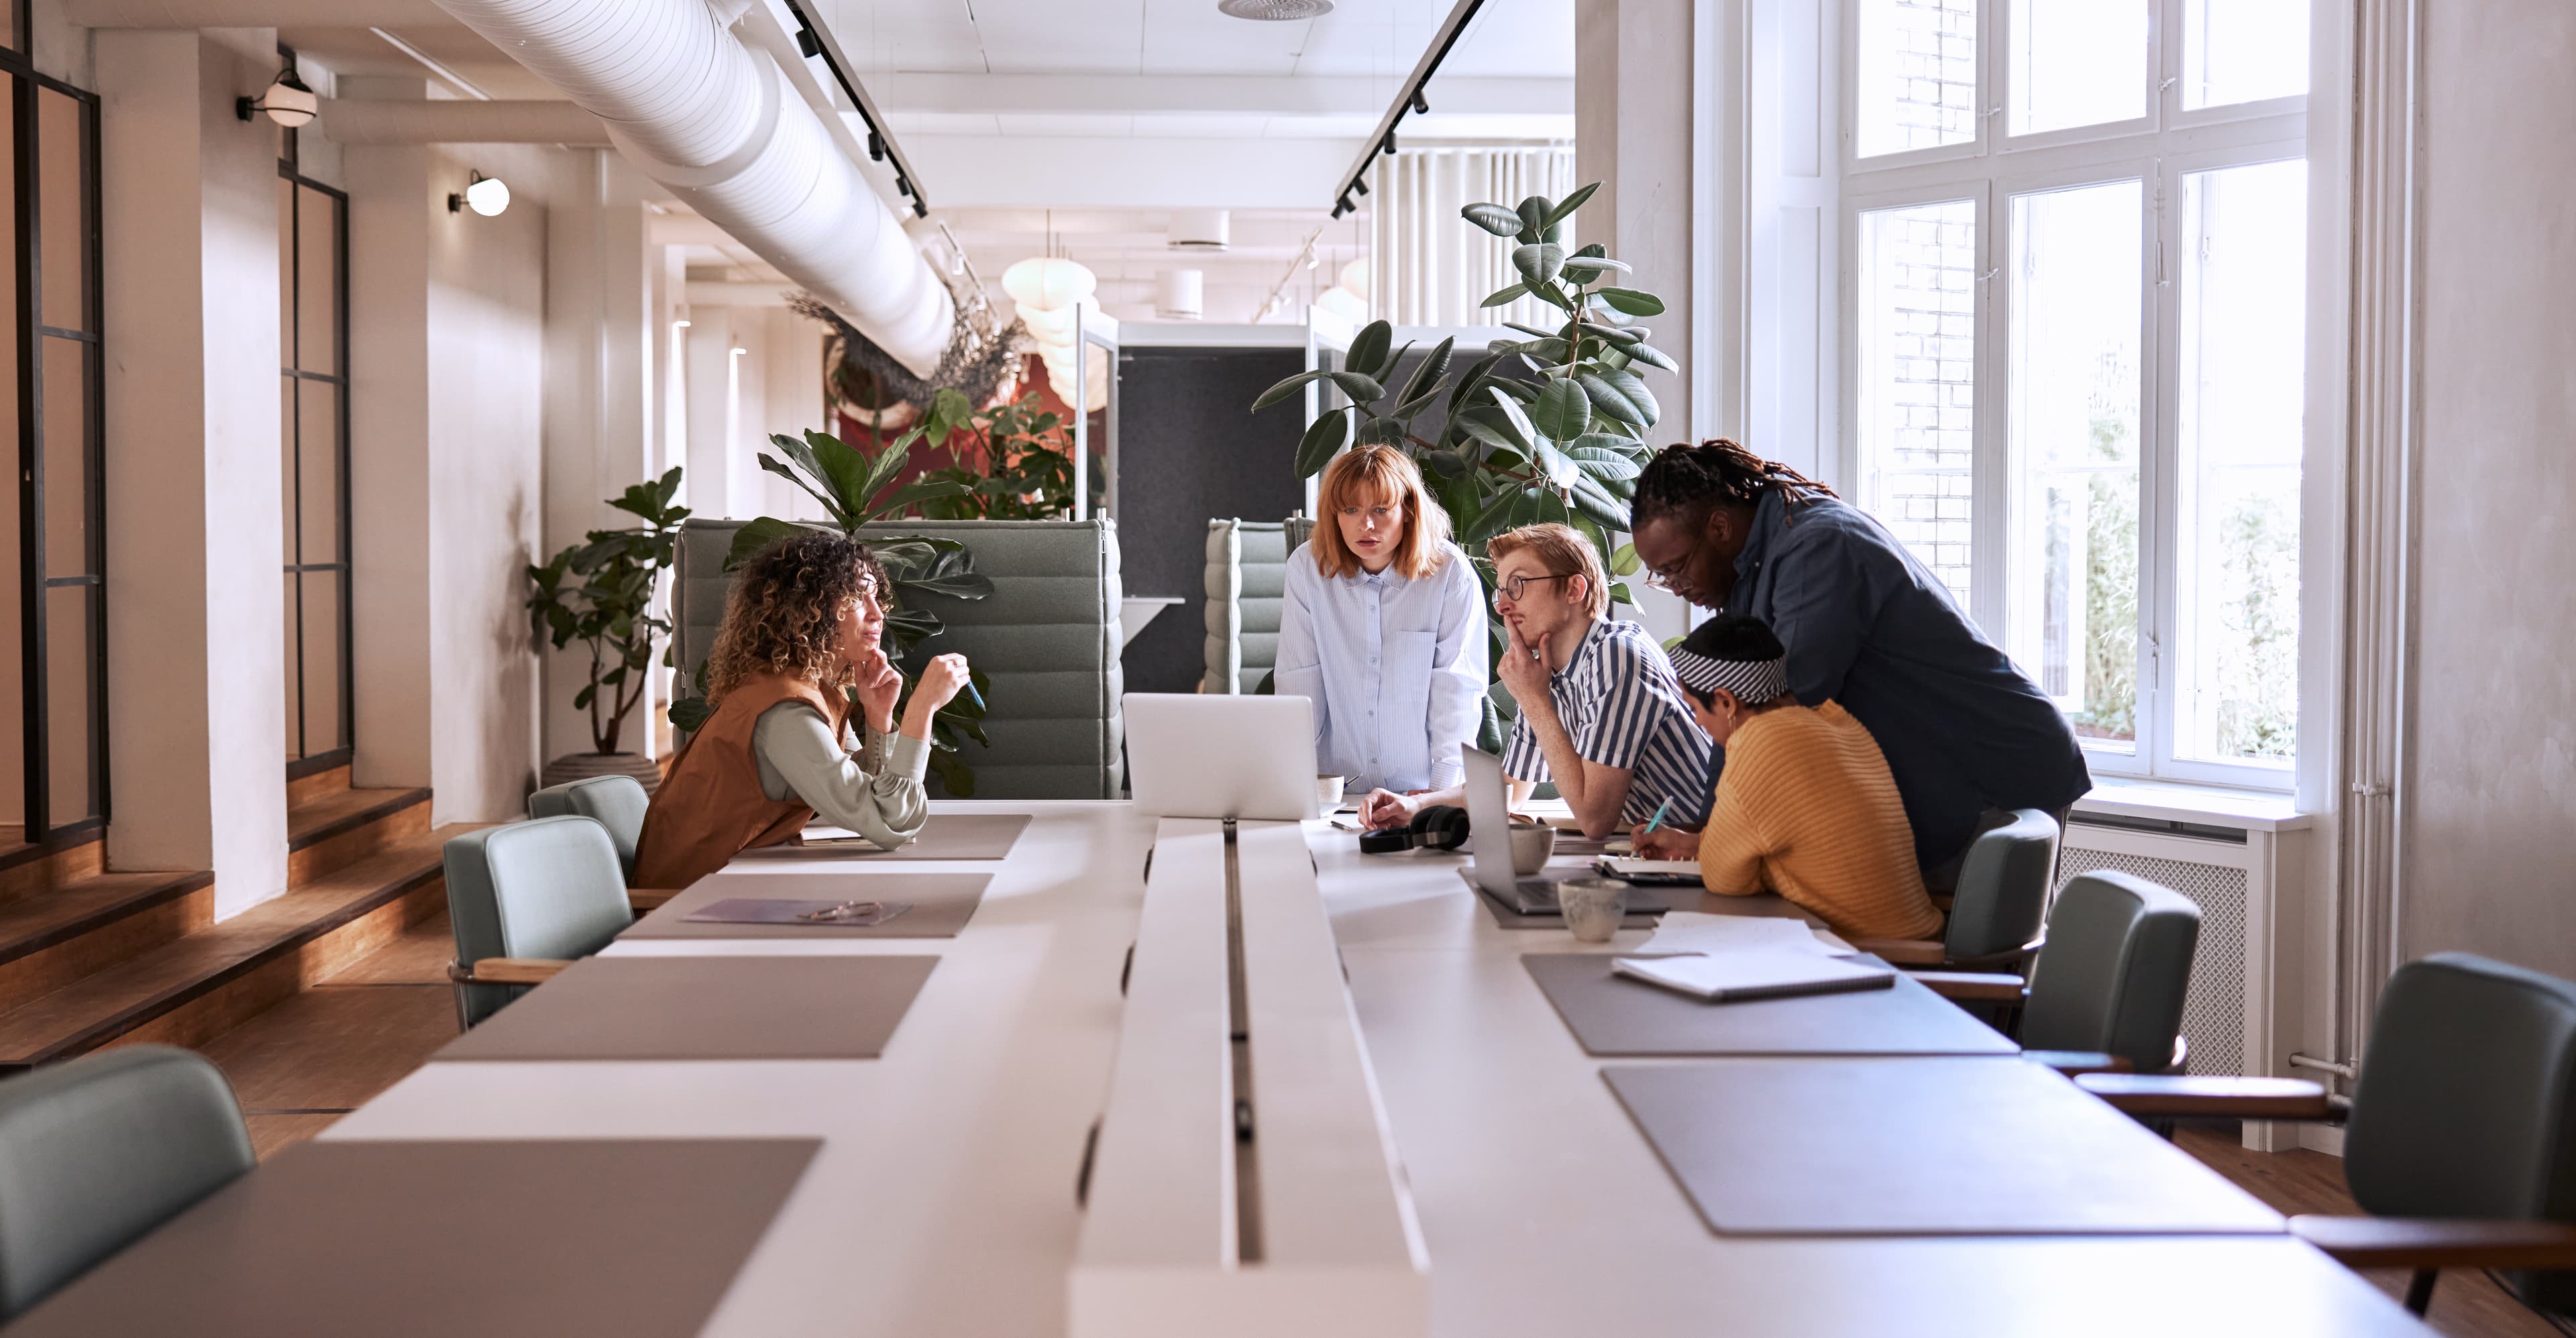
1193,755
1489,870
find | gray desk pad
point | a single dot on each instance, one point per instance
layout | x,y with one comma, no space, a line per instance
534,1237
1612,1015
945,836
941,905
1917,1147
838,1007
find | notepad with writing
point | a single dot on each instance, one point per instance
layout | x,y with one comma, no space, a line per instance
1649,872
1758,973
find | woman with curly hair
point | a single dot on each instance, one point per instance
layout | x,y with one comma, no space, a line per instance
800,638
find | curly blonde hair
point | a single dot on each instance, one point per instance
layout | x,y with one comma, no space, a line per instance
783,613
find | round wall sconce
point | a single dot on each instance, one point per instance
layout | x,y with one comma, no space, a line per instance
288,101
484,195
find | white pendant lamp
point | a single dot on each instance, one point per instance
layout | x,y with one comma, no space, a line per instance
1048,291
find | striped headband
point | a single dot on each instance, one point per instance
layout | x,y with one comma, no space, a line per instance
1752,682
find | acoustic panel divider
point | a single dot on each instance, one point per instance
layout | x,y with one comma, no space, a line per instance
1047,639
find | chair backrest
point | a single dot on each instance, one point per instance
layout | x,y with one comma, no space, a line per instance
2003,887
97,1152
614,802
544,888
2113,973
1047,640
1247,580
2466,1105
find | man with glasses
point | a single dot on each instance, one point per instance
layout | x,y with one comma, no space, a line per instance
1600,711
1966,734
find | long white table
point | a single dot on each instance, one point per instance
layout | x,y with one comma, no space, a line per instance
942,1201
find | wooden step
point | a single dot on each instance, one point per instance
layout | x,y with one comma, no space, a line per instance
306,789
50,939
188,991
338,827
26,869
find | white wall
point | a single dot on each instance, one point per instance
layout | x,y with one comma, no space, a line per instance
736,402
2486,844
195,608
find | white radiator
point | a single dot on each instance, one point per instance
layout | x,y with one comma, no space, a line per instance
2247,876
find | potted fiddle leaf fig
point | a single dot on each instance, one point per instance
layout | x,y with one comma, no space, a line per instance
601,592
854,487
1550,428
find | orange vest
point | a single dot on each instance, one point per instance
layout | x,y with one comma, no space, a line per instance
710,807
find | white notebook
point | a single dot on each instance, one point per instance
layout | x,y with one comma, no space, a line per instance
1756,973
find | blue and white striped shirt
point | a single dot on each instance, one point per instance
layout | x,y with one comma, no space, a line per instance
1619,702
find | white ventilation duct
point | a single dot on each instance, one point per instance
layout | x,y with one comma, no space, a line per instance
695,110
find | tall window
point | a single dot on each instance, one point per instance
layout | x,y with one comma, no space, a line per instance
313,334
2075,324
53,735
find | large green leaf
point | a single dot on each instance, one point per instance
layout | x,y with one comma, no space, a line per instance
1285,389
1468,385
918,491
1651,356
1512,414
1323,440
1504,296
1425,381
831,506
1629,385
1631,301
1533,212
1598,455
1613,402
1493,218
1367,355
1564,209
1476,426
1381,432
1361,389
1585,269
758,534
1624,561
1562,412
1538,262
1591,500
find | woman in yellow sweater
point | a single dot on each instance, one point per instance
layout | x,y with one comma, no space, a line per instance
1805,806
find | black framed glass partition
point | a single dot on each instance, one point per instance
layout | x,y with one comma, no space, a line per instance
313,339
53,750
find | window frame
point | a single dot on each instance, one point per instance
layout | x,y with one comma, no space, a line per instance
289,169
1995,168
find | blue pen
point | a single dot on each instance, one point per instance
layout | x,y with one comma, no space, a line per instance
1658,820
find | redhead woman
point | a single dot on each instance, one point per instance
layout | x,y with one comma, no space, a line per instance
1384,629
800,637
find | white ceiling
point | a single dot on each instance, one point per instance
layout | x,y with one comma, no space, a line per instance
1360,37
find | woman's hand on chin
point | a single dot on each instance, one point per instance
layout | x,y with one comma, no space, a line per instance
878,684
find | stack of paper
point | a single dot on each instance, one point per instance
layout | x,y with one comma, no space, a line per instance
1756,973
1699,932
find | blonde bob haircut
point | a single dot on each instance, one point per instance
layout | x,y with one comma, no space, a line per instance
1564,553
1364,476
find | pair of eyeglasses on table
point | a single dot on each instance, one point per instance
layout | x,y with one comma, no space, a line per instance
842,912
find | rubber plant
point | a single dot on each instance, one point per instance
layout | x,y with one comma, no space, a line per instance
1550,428
854,487
1028,454
601,592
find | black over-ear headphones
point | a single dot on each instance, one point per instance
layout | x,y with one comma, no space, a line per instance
1439,827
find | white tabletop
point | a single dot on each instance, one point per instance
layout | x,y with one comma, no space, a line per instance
942,1199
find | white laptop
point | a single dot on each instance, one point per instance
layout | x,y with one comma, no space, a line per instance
1489,810
1193,755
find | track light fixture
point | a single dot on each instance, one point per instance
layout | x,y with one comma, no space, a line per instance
484,195
1360,185
1387,145
1421,104
288,101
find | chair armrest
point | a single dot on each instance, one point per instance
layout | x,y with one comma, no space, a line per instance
2231,1098
2011,961
2439,1242
1971,986
1900,951
2075,1062
507,971
648,898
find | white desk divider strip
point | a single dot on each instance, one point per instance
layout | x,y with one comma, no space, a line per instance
1340,1251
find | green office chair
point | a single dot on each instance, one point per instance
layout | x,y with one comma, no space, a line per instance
614,802
525,899
97,1152
2460,1137
2106,989
1997,908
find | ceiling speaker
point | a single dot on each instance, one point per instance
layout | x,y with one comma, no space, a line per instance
1275,11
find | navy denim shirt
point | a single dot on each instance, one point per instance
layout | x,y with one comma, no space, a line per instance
1869,626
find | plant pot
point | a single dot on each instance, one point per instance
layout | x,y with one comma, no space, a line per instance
583,766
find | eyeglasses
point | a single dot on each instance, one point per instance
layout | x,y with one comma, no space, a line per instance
1511,587
846,911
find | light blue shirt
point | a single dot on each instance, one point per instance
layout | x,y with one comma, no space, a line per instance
1395,668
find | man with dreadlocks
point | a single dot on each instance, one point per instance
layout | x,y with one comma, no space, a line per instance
1865,624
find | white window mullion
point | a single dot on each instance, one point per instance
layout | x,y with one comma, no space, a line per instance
1990,515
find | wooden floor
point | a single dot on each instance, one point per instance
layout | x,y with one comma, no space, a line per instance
324,1052
327,1050
2464,1304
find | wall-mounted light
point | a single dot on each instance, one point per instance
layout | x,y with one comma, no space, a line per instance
288,101
680,325
484,195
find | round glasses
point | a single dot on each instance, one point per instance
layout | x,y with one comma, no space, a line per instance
1511,587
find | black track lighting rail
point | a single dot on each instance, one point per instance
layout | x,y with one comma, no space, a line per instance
1409,99
814,39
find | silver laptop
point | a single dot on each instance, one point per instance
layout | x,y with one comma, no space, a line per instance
1192,755
1489,868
